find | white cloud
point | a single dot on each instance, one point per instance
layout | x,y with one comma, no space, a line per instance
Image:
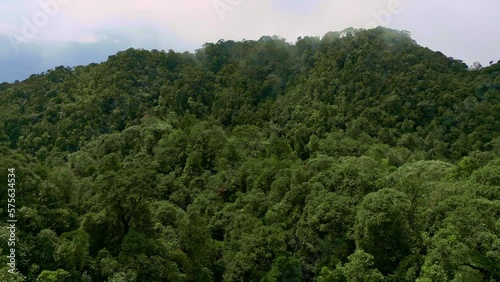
186,23
199,21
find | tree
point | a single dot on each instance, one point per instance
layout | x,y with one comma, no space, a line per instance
463,246
382,228
476,66
73,250
59,275
361,268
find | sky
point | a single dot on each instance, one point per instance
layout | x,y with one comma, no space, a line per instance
37,35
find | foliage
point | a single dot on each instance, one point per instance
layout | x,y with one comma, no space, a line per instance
358,156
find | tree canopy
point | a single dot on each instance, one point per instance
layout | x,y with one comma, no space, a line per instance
357,156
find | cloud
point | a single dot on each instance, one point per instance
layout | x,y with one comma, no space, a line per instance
200,20
462,29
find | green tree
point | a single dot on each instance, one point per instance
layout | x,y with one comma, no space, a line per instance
382,228
59,275
361,268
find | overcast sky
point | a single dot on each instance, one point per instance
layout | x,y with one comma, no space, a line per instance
36,35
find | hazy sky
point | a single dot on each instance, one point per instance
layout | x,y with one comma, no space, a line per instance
36,35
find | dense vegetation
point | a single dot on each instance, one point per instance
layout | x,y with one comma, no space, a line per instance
358,156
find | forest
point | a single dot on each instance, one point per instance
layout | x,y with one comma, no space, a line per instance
356,156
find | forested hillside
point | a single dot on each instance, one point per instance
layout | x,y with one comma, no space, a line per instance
358,156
